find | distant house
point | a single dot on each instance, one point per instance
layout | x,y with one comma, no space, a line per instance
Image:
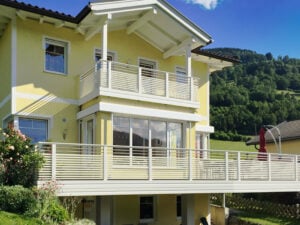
286,133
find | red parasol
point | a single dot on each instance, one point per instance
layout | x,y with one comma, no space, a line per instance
262,145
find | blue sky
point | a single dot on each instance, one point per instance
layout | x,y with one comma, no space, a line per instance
259,25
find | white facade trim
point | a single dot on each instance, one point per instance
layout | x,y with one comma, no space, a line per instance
205,129
139,111
148,112
13,63
114,187
5,100
147,98
46,98
84,113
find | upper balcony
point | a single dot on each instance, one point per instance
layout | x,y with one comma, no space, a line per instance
86,169
114,79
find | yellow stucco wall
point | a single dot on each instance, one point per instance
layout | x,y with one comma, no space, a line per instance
44,93
165,209
287,147
5,72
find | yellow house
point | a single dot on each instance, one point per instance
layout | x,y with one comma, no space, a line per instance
118,99
282,138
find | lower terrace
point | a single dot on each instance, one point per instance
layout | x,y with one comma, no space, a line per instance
90,169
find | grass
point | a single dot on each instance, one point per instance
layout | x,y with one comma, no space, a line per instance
231,145
267,220
15,219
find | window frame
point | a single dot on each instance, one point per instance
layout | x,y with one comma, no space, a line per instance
148,71
57,42
35,119
148,220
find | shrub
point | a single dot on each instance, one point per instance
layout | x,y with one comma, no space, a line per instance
19,159
16,199
48,207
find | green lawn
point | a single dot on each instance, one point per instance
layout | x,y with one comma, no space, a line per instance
14,219
267,220
231,145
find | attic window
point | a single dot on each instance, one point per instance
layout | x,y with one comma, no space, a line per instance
56,56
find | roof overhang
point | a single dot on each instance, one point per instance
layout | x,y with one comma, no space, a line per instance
213,60
155,21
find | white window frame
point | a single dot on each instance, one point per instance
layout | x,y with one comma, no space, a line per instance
17,126
61,43
111,54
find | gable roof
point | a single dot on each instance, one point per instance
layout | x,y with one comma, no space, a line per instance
288,131
155,21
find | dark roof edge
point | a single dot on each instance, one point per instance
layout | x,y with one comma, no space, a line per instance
272,141
46,12
207,53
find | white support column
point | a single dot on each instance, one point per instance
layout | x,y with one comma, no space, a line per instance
204,145
104,41
106,210
188,209
239,166
226,167
188,59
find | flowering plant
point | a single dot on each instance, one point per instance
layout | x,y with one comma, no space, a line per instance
19,159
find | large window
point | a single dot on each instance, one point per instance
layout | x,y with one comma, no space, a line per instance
36,129
136,133
56,56
146,208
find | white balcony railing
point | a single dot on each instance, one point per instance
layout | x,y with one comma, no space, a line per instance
105,163
121,77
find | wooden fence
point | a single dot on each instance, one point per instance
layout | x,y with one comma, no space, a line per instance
262,207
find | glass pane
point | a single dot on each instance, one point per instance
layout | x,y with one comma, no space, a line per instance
121,133
36,130
140,136
175,131
158,138
146,208
55,58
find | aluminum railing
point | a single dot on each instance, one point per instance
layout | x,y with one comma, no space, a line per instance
102,162
117,76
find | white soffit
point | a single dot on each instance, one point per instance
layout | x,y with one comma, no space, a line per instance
155,21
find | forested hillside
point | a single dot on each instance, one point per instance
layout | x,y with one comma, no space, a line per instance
260,90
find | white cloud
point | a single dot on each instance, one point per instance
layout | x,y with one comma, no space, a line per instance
208,4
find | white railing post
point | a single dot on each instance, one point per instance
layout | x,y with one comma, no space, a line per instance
150,164
105,163
226,167
192,89
109,73
167,85
53,165
269,167
239,166
296,168
97,76
140,80
190,165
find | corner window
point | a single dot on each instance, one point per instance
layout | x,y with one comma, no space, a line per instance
146,208
56,56
35,129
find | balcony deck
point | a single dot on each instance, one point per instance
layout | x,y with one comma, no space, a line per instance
109,78
82,169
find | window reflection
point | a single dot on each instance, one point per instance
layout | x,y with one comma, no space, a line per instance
121,135
140,136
